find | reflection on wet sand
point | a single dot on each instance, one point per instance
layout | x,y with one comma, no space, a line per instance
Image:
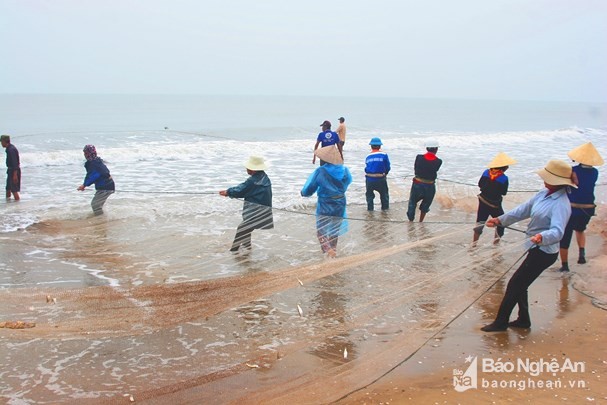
378,301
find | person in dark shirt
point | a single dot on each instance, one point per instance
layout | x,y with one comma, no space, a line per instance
257,208
494,185
327,138
13,168
97,173
582,201
423,188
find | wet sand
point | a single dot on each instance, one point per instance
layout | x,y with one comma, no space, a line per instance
568,322
387,321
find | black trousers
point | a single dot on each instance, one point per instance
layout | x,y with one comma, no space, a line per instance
484,212
516,293
381,186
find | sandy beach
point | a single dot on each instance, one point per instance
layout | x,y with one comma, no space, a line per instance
378,326
567,324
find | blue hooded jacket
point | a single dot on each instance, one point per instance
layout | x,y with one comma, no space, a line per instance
330,183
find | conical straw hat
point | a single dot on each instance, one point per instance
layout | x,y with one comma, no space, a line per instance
329,154
586,154
501,160
557,173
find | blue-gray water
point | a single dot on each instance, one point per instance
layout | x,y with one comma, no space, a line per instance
133,309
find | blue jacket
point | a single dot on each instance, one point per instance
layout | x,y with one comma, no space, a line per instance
330,183
377,163
98,173
257,194
584,193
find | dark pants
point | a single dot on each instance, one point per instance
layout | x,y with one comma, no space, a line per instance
516,293
420,192
258,217
579,219
484,212
381,186
13,186
243,236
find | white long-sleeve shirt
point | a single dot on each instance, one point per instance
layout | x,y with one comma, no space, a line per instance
549,215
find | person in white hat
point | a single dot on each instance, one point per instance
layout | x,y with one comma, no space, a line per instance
549,211
423,188
257,207
493,185
330,182
582,201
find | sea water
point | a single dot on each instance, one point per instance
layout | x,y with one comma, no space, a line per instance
170,155
148,295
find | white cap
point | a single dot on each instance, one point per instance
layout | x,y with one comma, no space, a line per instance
431,143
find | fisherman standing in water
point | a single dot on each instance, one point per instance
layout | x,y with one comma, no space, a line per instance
423,188
13,168
97,173
377,167
330,182
327,138
257,208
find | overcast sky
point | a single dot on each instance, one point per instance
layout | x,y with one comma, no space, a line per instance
493,49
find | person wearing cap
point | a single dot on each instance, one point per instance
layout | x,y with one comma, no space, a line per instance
330,182
423,188
341,131
327,138
257,207
377,167
493,185
549,211
13,168
582,200
97,173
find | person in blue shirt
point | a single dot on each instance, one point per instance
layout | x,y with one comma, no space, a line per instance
493,185
257,207
377,167
13,168
549,211
327,138
97,173
330,182
423,188
582,201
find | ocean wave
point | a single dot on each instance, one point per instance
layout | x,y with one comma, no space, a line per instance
150,148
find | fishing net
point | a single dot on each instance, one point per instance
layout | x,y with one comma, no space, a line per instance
131,303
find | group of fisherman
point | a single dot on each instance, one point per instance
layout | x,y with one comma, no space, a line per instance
563,207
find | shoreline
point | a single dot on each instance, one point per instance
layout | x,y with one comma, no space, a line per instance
240,338
566,325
